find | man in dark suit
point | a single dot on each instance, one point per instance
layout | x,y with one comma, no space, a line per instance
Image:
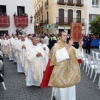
88,44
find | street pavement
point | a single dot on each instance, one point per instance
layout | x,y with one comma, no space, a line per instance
17,90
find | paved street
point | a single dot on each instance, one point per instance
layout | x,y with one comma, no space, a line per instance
17,90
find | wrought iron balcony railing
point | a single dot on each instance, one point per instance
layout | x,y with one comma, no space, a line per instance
4,21
66,21
61,2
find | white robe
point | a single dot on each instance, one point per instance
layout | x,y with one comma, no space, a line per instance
12,43
10,50
7,48
46,54
35,71
65,93
22,57
20,69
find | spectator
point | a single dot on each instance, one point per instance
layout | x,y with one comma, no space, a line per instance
5,14
14,14
88,44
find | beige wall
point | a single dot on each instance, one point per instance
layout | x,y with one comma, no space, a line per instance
53,13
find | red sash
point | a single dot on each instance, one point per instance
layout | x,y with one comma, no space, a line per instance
47,75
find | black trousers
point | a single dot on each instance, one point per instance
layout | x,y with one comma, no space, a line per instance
88,49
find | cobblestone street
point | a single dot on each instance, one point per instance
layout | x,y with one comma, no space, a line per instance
17,90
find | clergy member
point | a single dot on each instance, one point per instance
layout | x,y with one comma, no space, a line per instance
46,52
35,56
24,44
66,72
18,50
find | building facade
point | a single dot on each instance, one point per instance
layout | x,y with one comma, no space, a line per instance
93,10
52,16
16,15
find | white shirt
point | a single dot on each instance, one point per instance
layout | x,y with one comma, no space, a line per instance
46,40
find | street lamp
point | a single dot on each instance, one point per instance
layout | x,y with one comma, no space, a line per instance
31,18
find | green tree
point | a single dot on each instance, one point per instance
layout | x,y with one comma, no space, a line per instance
95,26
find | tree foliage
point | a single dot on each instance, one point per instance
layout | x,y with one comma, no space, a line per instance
95,26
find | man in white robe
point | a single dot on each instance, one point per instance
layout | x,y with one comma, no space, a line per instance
46,40
24,44
39,43
10,50
3,44
46,52
68,93
18,48
7,47
35,56
12,43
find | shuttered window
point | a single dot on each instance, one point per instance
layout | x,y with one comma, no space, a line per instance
70,15
78,1
70,1
61,15
61,0
78,16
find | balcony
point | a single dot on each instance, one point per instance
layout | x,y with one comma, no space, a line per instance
4,21
70,3
35,15
41,24
46,4
61,2
67,21
79,3
46,22
21,20
41,9
38,11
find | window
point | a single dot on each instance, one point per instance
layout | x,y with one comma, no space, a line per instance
42,18
39,20
20,10
92,17
95,3
47,17
42,3
3,10
78,14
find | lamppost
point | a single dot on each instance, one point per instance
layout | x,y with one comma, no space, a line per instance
31,18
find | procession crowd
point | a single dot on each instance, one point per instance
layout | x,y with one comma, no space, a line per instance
30,53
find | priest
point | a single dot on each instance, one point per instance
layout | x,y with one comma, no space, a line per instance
11,51
18,48
66,70
35,57
46,52
24,44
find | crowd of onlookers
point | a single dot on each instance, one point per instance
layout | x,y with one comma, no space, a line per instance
92,36
3,14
